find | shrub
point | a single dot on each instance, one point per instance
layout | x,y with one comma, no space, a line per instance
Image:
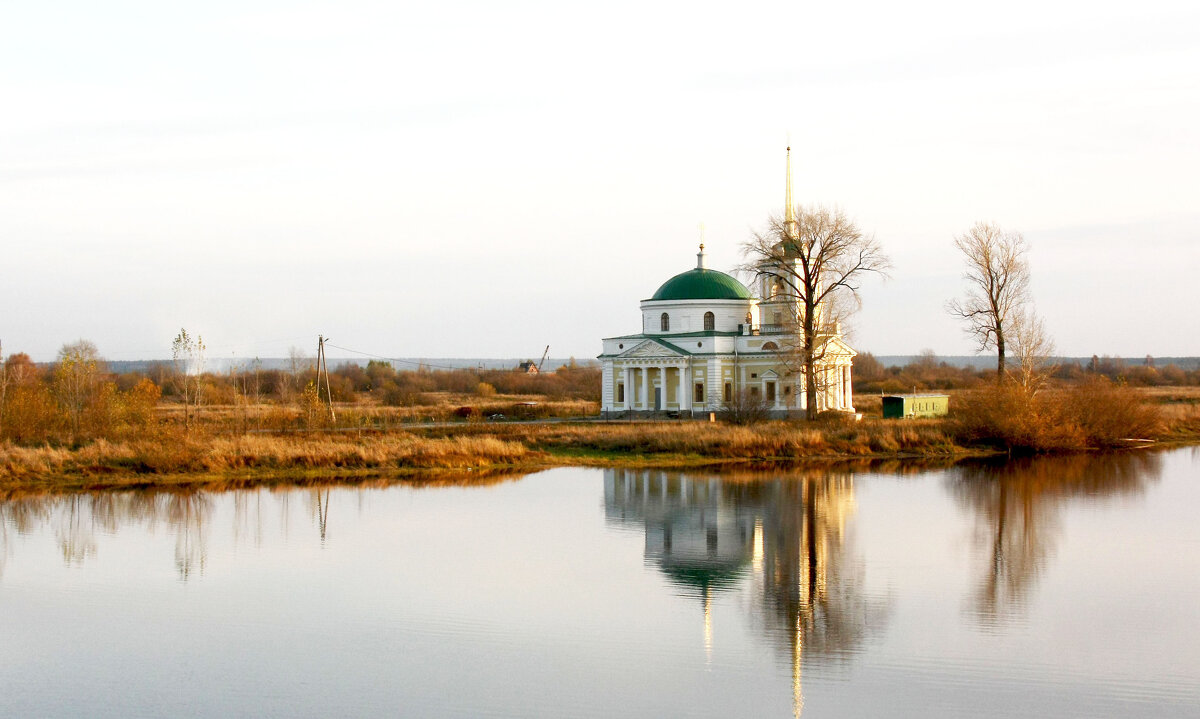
1109,413
30,414
138,403
745,408
313,410
1094,414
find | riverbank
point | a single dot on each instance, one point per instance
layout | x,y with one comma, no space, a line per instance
170,457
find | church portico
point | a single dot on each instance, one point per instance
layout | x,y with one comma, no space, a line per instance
650,385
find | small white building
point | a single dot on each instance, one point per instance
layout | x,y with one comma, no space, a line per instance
706,339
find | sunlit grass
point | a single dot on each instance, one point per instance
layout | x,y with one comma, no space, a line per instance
238,444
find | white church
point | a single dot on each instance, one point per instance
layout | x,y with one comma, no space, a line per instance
706,339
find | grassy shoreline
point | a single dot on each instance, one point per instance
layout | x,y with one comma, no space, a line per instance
471,453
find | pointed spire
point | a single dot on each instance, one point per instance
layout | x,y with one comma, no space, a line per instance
789,211
708,627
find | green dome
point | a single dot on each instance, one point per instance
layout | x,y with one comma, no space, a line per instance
699,284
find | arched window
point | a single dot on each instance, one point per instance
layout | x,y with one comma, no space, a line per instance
710,322
666,322
769,346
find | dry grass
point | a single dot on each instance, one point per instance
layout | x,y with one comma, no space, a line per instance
445,407
1182,422
765,441
172,453
1180,410
178,454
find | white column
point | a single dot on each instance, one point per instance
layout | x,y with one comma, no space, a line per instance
849,387
646,388
628,388
712,378
778,393
685,390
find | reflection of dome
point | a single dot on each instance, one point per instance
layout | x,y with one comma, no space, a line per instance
705,578
702,284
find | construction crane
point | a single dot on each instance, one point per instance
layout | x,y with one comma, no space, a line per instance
544,355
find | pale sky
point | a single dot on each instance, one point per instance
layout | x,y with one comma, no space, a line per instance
482,179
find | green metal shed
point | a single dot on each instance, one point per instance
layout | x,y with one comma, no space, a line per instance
900,406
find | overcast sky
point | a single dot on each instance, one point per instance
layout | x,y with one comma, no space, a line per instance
482,179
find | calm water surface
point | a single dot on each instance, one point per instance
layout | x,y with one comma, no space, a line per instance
1062,587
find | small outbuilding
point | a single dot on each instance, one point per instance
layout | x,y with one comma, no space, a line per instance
909,406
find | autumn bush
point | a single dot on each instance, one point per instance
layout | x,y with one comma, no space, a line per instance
74,403
1108,413
29,414
1092,414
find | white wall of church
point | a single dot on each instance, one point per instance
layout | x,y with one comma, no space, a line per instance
688,315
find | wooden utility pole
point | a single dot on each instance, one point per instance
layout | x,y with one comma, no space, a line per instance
323,369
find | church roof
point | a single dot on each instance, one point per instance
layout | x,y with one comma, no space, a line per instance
702,284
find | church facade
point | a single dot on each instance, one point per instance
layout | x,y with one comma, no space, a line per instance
707,341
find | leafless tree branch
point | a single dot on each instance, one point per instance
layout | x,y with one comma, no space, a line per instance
997,286
818,262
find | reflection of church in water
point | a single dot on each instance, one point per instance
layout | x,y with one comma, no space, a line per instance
783,538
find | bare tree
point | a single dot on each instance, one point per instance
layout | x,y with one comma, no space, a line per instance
298,364
187,356
746,406
1034,349
815,259
997,286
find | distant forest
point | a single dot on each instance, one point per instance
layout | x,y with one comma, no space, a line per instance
928,371
1112,365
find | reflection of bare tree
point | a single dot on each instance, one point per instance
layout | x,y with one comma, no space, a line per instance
247,516
1018,505
75,530
788,534
21,516
187,513
76,518
319,507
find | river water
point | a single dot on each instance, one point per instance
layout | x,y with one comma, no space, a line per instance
1065,587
